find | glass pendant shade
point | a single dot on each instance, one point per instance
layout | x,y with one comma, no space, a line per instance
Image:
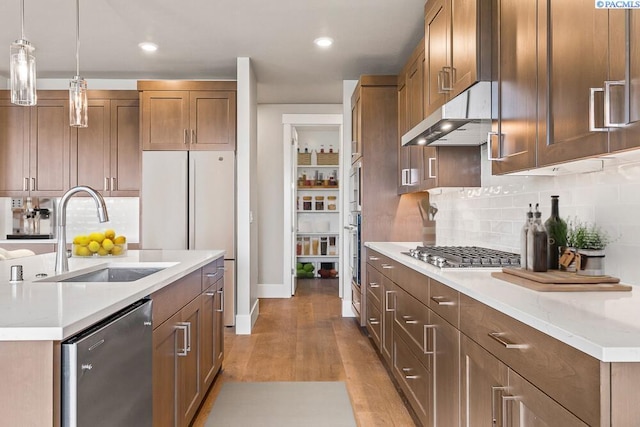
22,65
78,105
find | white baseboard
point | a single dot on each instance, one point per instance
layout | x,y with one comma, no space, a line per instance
273,290
245,322
347,309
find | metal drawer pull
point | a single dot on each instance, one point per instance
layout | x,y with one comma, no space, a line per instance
212,274
184,327
494,389
221,309
490,147
373,285
209,294
432,167
193,136
105,187
449,75
33,184
409,377
374,321
184,136
373,258
592,110
506,415
607,104
222,268
442,300
425,348
113,184
408,320
25,184
387,306
387,266
497,336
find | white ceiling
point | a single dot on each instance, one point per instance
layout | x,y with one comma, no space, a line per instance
201,39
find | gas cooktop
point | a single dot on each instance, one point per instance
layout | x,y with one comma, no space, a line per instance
464,257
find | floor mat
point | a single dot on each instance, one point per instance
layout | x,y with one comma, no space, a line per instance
282,404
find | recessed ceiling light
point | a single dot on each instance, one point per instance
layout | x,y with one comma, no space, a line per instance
422,141
446,126
323,41
148,46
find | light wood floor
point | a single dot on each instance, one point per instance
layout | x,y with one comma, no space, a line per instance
304,338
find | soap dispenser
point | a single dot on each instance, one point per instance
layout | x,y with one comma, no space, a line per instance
523,238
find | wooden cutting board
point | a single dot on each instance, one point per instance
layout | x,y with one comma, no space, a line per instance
559,277
560,287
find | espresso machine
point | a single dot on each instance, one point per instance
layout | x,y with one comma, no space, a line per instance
33,218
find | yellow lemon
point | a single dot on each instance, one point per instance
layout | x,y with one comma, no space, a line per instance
81,240
120,240
116,250
107,244
96,237
82,251
94,246
110,234
103,252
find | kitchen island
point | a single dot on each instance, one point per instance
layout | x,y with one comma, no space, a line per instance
568,358
39,312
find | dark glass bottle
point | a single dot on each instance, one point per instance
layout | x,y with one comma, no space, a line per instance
537,244
557,234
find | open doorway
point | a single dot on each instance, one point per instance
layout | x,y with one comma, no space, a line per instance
313,200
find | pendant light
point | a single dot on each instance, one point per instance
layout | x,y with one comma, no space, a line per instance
23,68
78,104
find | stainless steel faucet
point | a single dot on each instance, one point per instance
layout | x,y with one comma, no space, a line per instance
61,251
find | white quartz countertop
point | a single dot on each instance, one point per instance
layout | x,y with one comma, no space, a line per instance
35,310
605,325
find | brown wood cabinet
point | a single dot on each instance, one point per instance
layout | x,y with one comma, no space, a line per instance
551,90
187,343
35,147
188,115
457,48
451,167
106,155
356,129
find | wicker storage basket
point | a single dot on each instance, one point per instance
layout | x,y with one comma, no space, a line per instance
327,158
304,159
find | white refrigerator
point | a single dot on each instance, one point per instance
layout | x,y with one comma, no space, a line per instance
188,202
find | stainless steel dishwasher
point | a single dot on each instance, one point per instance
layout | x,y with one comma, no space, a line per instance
106,371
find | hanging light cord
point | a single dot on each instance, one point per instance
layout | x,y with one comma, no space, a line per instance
22,19
77,37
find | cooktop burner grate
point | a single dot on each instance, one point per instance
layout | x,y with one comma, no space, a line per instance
464,257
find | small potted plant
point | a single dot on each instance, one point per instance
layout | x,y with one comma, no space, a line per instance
589,242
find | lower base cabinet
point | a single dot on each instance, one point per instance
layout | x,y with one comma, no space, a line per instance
187,346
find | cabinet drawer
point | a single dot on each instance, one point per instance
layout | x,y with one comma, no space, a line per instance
170,299
212,272
373,284
374,323
413,377
444,301
383,264
410,319
569,376
416,284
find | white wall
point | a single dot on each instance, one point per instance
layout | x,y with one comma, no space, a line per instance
271,182
246,200
493,215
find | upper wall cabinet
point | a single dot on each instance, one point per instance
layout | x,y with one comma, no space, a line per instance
457,48
580,100
106,154
188,115
34,146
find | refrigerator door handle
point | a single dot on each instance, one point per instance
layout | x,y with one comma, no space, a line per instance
191,230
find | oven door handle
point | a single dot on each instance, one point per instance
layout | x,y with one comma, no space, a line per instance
350,227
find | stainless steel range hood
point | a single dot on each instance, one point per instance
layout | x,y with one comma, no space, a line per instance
464,120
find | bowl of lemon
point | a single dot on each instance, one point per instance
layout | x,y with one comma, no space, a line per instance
99,243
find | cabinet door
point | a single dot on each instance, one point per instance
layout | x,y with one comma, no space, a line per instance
515,67
429,176
190,392
445,345
207,340
165,120
624,27
483,381
91,158
50,143
212,117
14,149
465,20
437,46
568,40
125,147
166,341
403,127
527,406
415,90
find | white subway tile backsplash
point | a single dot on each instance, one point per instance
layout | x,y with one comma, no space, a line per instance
493,214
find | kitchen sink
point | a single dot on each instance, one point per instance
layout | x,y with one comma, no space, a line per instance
110,273
114,274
